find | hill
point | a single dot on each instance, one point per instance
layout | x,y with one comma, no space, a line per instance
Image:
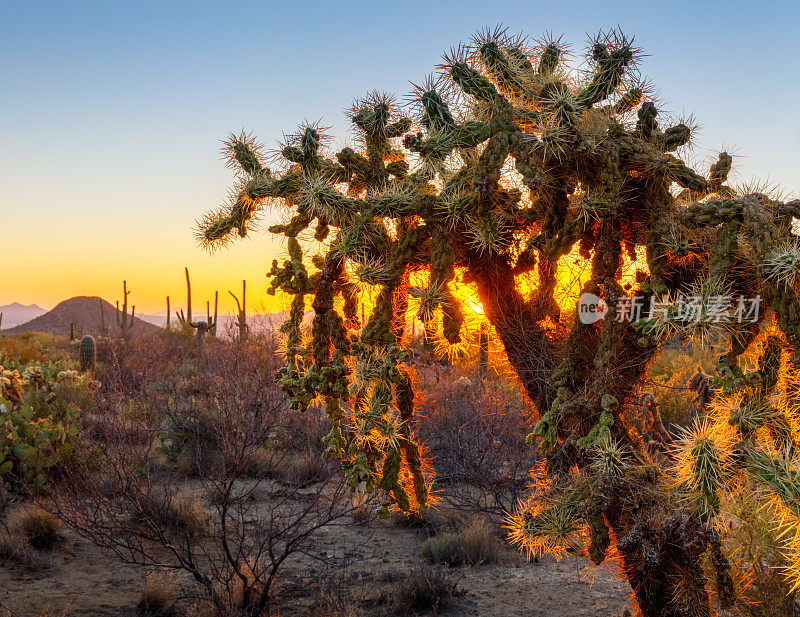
16,313
86,312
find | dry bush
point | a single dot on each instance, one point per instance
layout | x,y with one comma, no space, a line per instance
159,596
445,549
15,550
182,511
226,419
477,544
302,468
34,347
475,429
433,521
25,533
262,463
39,528
364,508
480,542
418,591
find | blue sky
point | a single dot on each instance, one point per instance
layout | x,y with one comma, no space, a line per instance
112,112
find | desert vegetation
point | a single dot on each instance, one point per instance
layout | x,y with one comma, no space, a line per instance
444,388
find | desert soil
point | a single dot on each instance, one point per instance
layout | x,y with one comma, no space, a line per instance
82,581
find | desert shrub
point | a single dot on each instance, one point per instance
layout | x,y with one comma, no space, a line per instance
240,522
302,468
363,513
480,542
433,522
39,528
477,544
15,551
475,428
446,549
34,348
159,596
180,511
146,364
420,590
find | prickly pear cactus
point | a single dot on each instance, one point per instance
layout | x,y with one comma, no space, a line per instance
511,166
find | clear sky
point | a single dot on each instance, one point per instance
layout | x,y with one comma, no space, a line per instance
112,113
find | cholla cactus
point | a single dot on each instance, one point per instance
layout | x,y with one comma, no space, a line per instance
512,160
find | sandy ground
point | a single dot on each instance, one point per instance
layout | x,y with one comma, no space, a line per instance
82,581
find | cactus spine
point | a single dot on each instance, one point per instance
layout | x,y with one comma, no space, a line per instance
88,353
241,311
168,324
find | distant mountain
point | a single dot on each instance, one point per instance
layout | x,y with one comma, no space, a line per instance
16,313
85,310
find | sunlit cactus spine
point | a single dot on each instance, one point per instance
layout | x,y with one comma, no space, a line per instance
88,353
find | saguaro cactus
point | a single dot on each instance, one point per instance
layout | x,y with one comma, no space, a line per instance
212,322
241,313
124,321
201,328
186,320
88,353
102,328
513,160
